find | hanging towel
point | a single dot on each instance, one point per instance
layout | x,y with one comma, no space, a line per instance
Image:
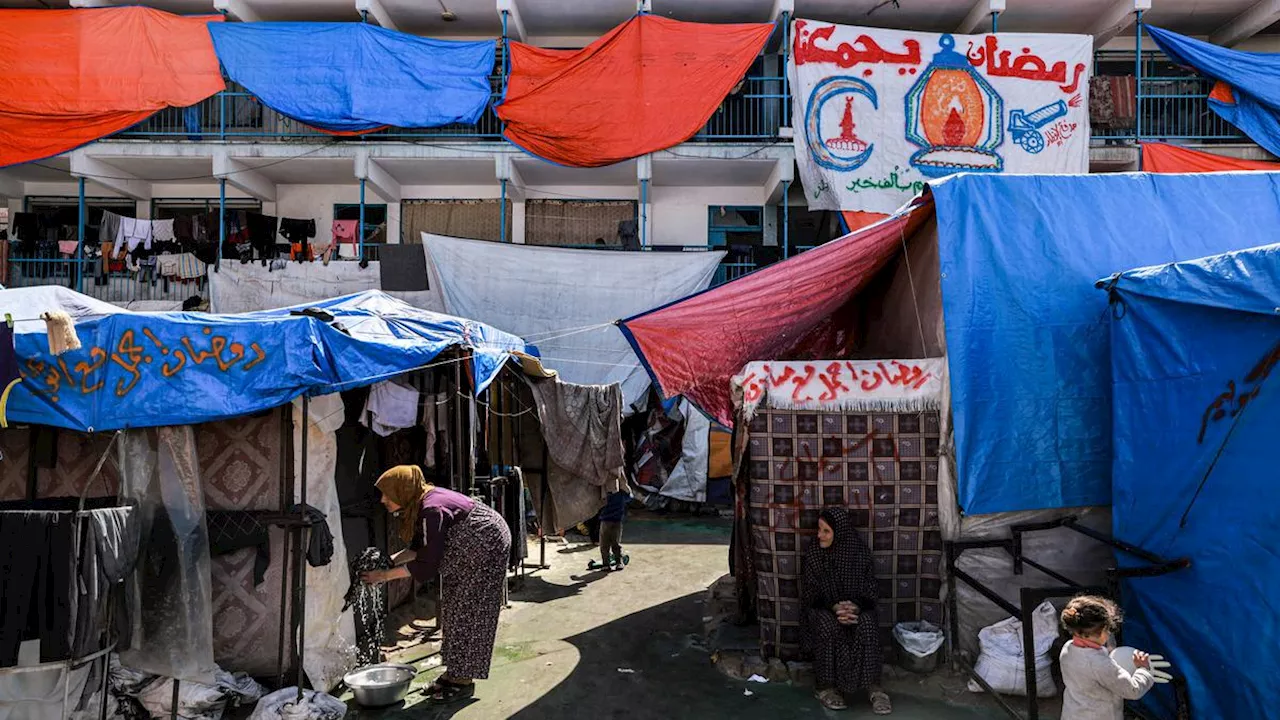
162,230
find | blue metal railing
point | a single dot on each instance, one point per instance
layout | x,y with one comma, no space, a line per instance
755,112
117,287
1172,103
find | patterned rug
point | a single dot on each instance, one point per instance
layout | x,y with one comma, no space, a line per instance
881,466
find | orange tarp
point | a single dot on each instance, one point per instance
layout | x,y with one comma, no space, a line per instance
1163,158
650,84
69,77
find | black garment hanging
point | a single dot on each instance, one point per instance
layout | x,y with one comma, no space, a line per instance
368,606
108,552
36,574
262,234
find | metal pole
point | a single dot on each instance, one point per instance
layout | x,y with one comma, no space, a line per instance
786,82
80,242
361,230
644,212
786,219
1137,89
995,23
222,220
305,427
502,213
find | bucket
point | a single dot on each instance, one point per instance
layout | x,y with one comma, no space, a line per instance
919,646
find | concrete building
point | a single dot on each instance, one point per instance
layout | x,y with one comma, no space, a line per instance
733,185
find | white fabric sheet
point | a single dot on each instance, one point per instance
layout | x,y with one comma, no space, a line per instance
390,407
329,637
563,301
237,288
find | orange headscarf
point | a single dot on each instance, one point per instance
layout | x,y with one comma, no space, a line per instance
405,485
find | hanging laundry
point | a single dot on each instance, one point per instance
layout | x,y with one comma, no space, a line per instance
35,572
262,234
390,407
298,233
650,84
133,232
162,230
355,77
344,231
69,77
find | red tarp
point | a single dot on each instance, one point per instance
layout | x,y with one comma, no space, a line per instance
796,308
1163,158
650,84
69,77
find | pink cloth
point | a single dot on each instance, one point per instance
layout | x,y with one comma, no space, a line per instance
68,247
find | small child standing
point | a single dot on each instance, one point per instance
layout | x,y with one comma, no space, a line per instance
612,516
1096,686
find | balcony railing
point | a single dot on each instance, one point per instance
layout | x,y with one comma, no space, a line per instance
83,276
754,112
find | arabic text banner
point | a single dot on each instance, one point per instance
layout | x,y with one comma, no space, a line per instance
878,113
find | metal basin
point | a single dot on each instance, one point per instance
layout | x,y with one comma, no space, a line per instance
380,685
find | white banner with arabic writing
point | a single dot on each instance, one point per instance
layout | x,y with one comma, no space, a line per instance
878,113
841,385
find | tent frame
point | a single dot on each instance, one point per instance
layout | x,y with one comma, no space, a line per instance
1031,597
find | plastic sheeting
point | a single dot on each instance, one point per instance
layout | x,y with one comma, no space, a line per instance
1026,333
565,301
69,77
353,77
688,479
28,694
695,346
171,602
144,370
237,288
1194,349
1165,158
329,639
649,84
1251,100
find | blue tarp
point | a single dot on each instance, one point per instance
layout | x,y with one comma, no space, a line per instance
352,77
1194,350
1251,75
149,369
1026,332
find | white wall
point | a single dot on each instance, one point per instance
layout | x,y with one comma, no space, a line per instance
680,213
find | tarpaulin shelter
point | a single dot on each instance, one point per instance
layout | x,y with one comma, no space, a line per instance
995,274
1193,348
1246,96
357,77
566,301
1166,158
69,77
152,369
649,84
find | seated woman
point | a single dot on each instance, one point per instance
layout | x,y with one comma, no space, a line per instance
468,544
838,625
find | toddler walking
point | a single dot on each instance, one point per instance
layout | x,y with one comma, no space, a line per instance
1096,686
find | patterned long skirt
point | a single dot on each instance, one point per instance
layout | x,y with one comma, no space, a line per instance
471,576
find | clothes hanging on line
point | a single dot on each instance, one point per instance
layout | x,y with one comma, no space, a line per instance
162,230
233,530
134,232
299,233
107,555
390,407
36,574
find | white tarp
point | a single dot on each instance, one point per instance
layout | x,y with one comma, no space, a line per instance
329,639
565,301
237,288
881,112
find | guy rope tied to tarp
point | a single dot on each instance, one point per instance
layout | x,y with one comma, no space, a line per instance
69,77
649,84
354,77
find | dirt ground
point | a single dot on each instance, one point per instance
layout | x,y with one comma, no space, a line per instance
631,645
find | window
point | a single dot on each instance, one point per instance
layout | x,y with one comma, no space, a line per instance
739,231
577,223
375,219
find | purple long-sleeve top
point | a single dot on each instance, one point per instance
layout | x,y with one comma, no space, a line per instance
441,509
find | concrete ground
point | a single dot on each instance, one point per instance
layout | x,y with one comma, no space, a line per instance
630,645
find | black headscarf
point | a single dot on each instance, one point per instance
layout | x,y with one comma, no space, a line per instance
841,572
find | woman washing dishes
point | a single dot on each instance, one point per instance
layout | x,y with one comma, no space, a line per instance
838,624
467,543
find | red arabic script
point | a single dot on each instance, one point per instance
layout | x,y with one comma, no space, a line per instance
864,49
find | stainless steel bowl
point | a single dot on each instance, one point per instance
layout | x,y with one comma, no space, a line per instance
380,685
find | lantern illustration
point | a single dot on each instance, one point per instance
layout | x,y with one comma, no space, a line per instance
954,117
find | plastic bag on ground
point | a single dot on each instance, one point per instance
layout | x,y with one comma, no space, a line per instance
921,639
1000,661
284,705
196,701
